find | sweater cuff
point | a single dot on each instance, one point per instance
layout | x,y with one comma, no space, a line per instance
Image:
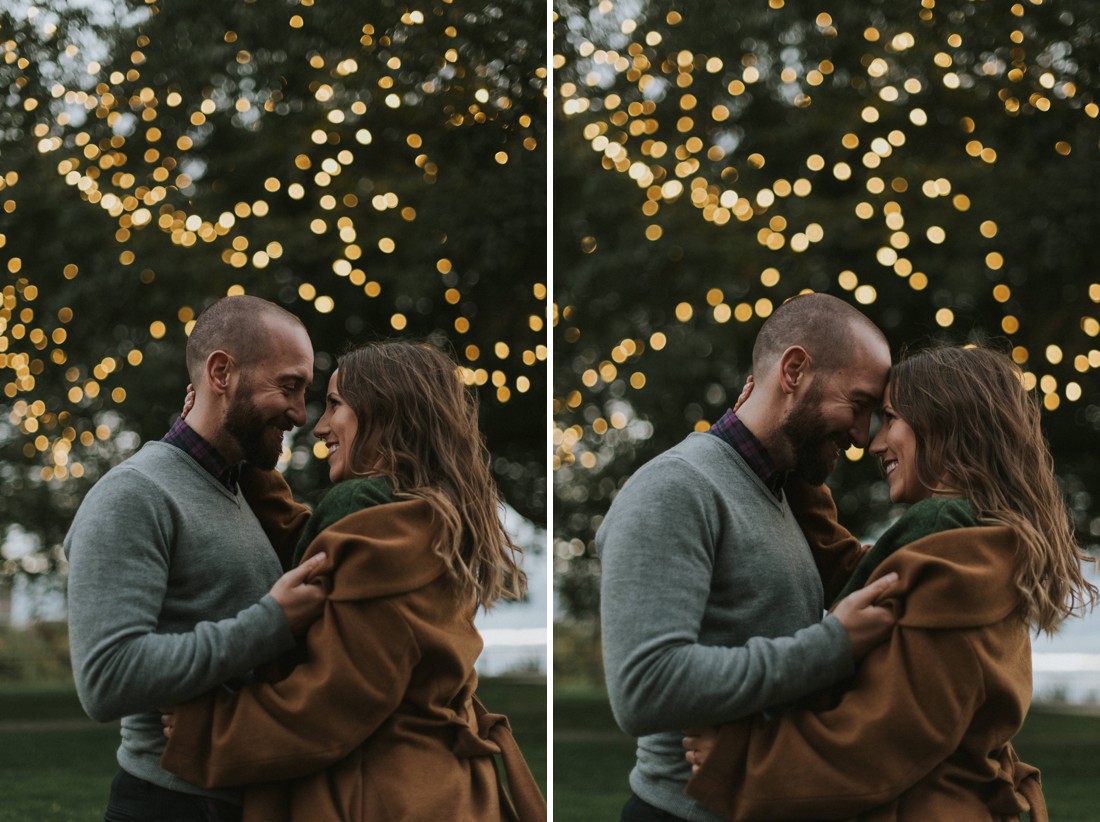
843,664
276,637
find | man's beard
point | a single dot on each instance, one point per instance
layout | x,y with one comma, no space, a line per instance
808,435
244,423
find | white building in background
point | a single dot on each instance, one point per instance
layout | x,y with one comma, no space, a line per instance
36,599
1066,667
515,632
28,598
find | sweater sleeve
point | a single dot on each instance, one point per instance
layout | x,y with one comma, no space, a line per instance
909,707
119,560
271,500
657,557
836,552
359,654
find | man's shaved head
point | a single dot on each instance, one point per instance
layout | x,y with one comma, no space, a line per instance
820,323
237,325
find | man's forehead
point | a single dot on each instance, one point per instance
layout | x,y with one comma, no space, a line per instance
865,379
872,358
868,381
288,334
289,353
302,370
865,397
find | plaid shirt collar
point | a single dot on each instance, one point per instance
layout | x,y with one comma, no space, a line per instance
733,431
183,436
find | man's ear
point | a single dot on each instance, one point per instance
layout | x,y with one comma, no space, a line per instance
794,369
219,371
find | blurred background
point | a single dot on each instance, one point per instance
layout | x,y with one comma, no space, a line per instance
379,169
934,163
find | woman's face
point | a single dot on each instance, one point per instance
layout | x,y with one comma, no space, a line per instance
337,428
895,445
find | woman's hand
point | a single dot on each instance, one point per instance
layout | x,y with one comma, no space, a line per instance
740,400
168,720
188,401
698,746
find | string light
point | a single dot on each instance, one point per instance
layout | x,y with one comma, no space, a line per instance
665,117
133,150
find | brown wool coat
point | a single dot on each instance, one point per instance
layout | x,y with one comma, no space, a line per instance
379,722
923,731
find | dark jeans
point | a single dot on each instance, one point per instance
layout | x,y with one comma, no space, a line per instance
135,800
638,810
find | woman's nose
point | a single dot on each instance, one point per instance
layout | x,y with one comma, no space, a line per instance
878,444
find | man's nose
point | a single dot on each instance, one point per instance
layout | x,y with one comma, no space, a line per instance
297,411
861,432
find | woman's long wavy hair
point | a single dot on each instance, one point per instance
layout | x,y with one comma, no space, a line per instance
418,426
978,432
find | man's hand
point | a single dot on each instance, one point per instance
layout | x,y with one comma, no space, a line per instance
168,720
867,624
300,599
697,747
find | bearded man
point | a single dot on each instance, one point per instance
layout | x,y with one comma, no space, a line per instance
711,600
170,571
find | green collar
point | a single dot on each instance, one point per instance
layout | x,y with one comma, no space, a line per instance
927,517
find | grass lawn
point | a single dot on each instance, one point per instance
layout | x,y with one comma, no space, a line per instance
1066,748
592,759
57,766
59,771
525,705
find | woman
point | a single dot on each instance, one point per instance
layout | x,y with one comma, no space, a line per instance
379,718
987,550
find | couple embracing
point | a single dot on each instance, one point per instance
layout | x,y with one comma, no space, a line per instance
721,555
269,662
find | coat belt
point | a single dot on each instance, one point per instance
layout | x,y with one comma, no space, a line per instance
494,736
1018,788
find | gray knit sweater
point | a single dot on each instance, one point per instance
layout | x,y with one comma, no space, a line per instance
168,581
711,608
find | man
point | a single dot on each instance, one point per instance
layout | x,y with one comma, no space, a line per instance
169,569
711,600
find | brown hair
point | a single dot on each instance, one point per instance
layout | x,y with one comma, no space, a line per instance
978,431
418,427
236,325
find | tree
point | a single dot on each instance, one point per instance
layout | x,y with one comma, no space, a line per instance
928,162
376,169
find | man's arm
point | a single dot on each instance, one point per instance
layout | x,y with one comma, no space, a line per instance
657,563
119,560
